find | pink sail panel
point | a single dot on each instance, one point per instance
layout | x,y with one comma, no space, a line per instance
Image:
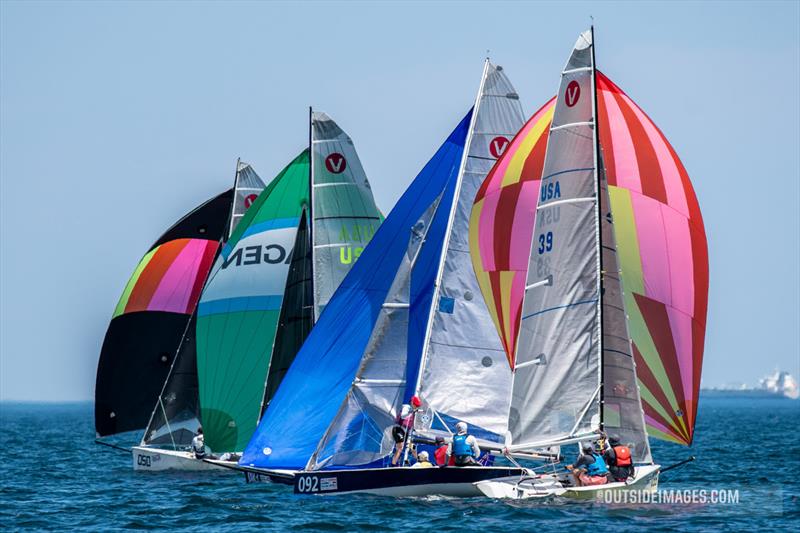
501,225
661,243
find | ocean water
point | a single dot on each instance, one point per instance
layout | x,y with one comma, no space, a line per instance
54,477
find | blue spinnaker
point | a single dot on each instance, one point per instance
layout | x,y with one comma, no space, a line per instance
321,374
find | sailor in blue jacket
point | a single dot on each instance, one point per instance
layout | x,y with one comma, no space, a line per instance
464,447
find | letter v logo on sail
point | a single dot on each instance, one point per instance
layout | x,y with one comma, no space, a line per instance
572,94
335,163
498,146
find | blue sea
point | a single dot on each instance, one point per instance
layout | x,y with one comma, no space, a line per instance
54,477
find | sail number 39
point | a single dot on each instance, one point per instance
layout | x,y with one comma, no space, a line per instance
545,242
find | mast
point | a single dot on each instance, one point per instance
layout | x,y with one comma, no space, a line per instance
451,217
310,211
599,221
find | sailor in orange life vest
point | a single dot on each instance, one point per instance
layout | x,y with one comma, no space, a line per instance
590,468
404,423
618,459
464,447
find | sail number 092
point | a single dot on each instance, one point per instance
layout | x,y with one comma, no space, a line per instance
545,242
308,484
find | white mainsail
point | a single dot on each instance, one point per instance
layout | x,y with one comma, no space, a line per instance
343,210
575,374
464,373
556,386
246,188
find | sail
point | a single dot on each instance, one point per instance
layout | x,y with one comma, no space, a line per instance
465,376
344,213
664,261
501,225
152,315
176,415
296,318
361,432
240,306
622,414
246,189
320,376
555,394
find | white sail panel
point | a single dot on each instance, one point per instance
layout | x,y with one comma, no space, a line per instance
245,191
465,374
555,393
344,213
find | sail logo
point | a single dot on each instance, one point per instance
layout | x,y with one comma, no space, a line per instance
249,199
572,94
270,254
498,146
335,163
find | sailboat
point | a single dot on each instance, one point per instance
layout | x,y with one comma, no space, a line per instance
152,315
407,321
617,269
273,277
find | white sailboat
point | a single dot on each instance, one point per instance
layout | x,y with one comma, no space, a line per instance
574,375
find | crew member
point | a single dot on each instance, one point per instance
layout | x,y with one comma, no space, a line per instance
618,459
464,447
590,468
404,423
441,453
199,444
423,461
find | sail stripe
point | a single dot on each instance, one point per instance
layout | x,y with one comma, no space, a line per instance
670,175
175,288
126,294
627,239
206,262
151,276
653,250
646,162
623,153
681,264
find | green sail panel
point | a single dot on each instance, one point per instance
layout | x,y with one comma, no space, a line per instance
344,213
238,312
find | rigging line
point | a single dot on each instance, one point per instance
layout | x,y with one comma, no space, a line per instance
594,300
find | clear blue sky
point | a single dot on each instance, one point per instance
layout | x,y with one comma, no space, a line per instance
116,118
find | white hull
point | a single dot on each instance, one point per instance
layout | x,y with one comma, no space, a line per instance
146,459
546,486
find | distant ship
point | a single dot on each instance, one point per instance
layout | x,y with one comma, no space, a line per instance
780,385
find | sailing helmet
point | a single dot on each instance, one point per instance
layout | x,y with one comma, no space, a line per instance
423,456
461,428
415,401
439,440
587,447
613,441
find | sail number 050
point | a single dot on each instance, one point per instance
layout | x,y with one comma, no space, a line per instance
545,242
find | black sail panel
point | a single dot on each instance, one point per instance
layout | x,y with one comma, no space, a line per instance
152,315
296,318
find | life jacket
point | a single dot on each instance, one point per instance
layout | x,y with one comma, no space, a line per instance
623,454
598,467
441,453
460,446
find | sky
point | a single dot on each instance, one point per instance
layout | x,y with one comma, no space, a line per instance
117,118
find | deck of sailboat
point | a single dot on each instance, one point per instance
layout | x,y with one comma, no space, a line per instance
151,459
